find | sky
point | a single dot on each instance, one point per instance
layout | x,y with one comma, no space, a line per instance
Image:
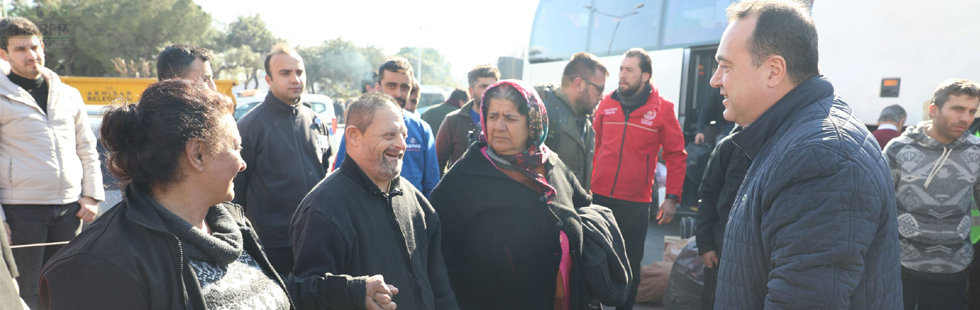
466,32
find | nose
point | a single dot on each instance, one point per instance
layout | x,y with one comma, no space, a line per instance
242,164
499,126
716,78
400,143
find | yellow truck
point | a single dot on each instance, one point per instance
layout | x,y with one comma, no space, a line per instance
104,91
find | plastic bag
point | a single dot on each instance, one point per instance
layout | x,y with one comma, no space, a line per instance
686,279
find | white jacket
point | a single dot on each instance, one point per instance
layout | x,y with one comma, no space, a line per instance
46,158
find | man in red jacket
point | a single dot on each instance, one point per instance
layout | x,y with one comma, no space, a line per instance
631,125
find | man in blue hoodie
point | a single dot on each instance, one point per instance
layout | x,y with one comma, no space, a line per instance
420,166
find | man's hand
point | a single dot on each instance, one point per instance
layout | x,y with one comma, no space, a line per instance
667,209
699,138
89,209
710,259
379,295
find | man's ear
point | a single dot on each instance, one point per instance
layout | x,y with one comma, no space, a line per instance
933,111
194,154
777,70
4,55
268,79
353,136
646,78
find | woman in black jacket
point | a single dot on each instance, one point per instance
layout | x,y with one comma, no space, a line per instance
511,237
174,242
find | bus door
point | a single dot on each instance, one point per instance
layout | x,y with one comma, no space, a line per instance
696,94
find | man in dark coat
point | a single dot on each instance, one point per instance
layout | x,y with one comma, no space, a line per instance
435,115
814,223
570,109
723,177
461,127
365,219
286,148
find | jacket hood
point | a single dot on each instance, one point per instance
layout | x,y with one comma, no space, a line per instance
919,134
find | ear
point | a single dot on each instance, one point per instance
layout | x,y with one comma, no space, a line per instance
646,77
377,86
777,70
4,55
268,79
353,136
472,93
933,111
194,154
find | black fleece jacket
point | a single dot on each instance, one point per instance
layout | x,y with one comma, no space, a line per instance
347,225
722,178
280,145
129,259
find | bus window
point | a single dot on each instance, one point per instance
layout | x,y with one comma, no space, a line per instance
640,27
693,22
559,30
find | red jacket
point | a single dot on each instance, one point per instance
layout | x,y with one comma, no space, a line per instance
626,156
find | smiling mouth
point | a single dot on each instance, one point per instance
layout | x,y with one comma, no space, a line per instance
394,155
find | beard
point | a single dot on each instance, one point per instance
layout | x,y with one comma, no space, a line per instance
389,168
585,107
630,90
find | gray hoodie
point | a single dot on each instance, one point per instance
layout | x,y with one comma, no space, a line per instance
934,184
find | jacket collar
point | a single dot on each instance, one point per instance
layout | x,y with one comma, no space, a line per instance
9,89
754,137
278,105
350,169
653,99
563,100
140,209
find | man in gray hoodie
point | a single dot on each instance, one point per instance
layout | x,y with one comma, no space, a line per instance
936,169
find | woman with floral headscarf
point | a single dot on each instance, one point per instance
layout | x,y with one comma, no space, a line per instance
511,236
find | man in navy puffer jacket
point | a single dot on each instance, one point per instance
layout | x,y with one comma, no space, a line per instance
814,224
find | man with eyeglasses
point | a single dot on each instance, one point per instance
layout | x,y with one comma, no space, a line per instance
570,107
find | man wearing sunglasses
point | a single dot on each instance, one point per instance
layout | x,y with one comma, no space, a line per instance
570,133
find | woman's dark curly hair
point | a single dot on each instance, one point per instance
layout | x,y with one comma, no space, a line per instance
145,141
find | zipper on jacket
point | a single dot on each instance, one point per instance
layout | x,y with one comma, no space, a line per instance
299,146
408,261
180,266
626,125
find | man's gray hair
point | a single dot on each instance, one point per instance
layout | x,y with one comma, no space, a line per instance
892,113
360,112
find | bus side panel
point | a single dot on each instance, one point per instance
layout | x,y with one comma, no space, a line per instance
862,42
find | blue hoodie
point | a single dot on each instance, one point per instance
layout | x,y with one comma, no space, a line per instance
420,166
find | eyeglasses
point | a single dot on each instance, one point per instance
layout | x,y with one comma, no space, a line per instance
600,87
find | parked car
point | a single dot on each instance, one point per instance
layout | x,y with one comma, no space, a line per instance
322,105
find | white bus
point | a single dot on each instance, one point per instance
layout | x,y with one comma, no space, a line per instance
910,46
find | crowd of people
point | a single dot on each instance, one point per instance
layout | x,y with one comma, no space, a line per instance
506,196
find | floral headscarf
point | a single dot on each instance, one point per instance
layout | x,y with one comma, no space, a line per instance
537,124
